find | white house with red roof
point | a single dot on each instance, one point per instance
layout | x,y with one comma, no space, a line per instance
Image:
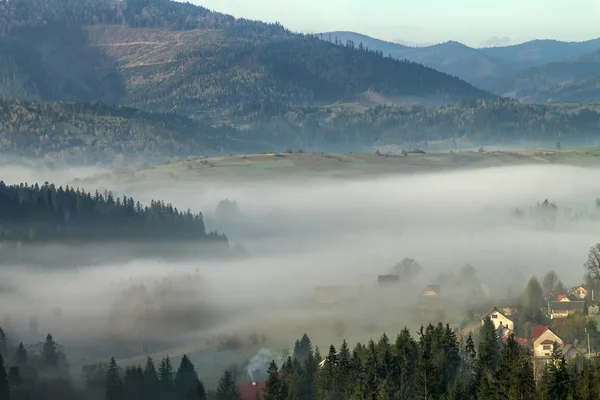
542,340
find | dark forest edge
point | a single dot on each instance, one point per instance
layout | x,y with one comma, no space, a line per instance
435,365
33,214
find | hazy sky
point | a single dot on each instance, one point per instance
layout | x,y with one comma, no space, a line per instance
473,22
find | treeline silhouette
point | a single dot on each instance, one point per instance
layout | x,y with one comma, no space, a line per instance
87,132
435,365
47,213
165,14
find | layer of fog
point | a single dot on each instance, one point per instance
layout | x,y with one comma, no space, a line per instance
302,234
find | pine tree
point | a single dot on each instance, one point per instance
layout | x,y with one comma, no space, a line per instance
114,387
165,375
514,378
21,355
556,380
406,353
342,374
488,350
326,374
273,385
151,381
200,391
4,389
134,383
3,343
50,355
186,380
227,390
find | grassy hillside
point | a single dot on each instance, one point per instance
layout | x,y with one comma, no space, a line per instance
340,166
162,55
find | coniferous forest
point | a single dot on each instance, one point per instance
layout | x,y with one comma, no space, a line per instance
433,364
49,214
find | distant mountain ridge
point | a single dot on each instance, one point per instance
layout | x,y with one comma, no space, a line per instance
501,69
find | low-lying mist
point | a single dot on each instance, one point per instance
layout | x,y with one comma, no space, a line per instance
299,235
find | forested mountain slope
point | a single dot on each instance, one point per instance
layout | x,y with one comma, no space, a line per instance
576,79
167,56
534,70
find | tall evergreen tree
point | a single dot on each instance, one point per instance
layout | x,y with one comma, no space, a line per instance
21,355
200,391
488,350
114,386
4,389
556,380
227,389
134,383
514,378
151,381
406,353
50,356
165,375
186,380
3,343
273,386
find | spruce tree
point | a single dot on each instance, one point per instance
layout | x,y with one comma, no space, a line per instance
514,378
406,353
488,350
165,375
200,391
50,355
186,380
134,383
556,380
3,343
227,389
151,381
114,387
21,355
273,385
4,389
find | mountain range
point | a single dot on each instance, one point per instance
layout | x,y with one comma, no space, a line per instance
102,80
162,55
535,71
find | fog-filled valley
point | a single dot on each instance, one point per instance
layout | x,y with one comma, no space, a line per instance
305,257
201,206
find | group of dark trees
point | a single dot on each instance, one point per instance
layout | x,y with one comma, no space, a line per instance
435,365
47,213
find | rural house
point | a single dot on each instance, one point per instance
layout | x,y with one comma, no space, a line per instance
563,297
580,292
562,309
499,319
542,339
251,390
431,290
